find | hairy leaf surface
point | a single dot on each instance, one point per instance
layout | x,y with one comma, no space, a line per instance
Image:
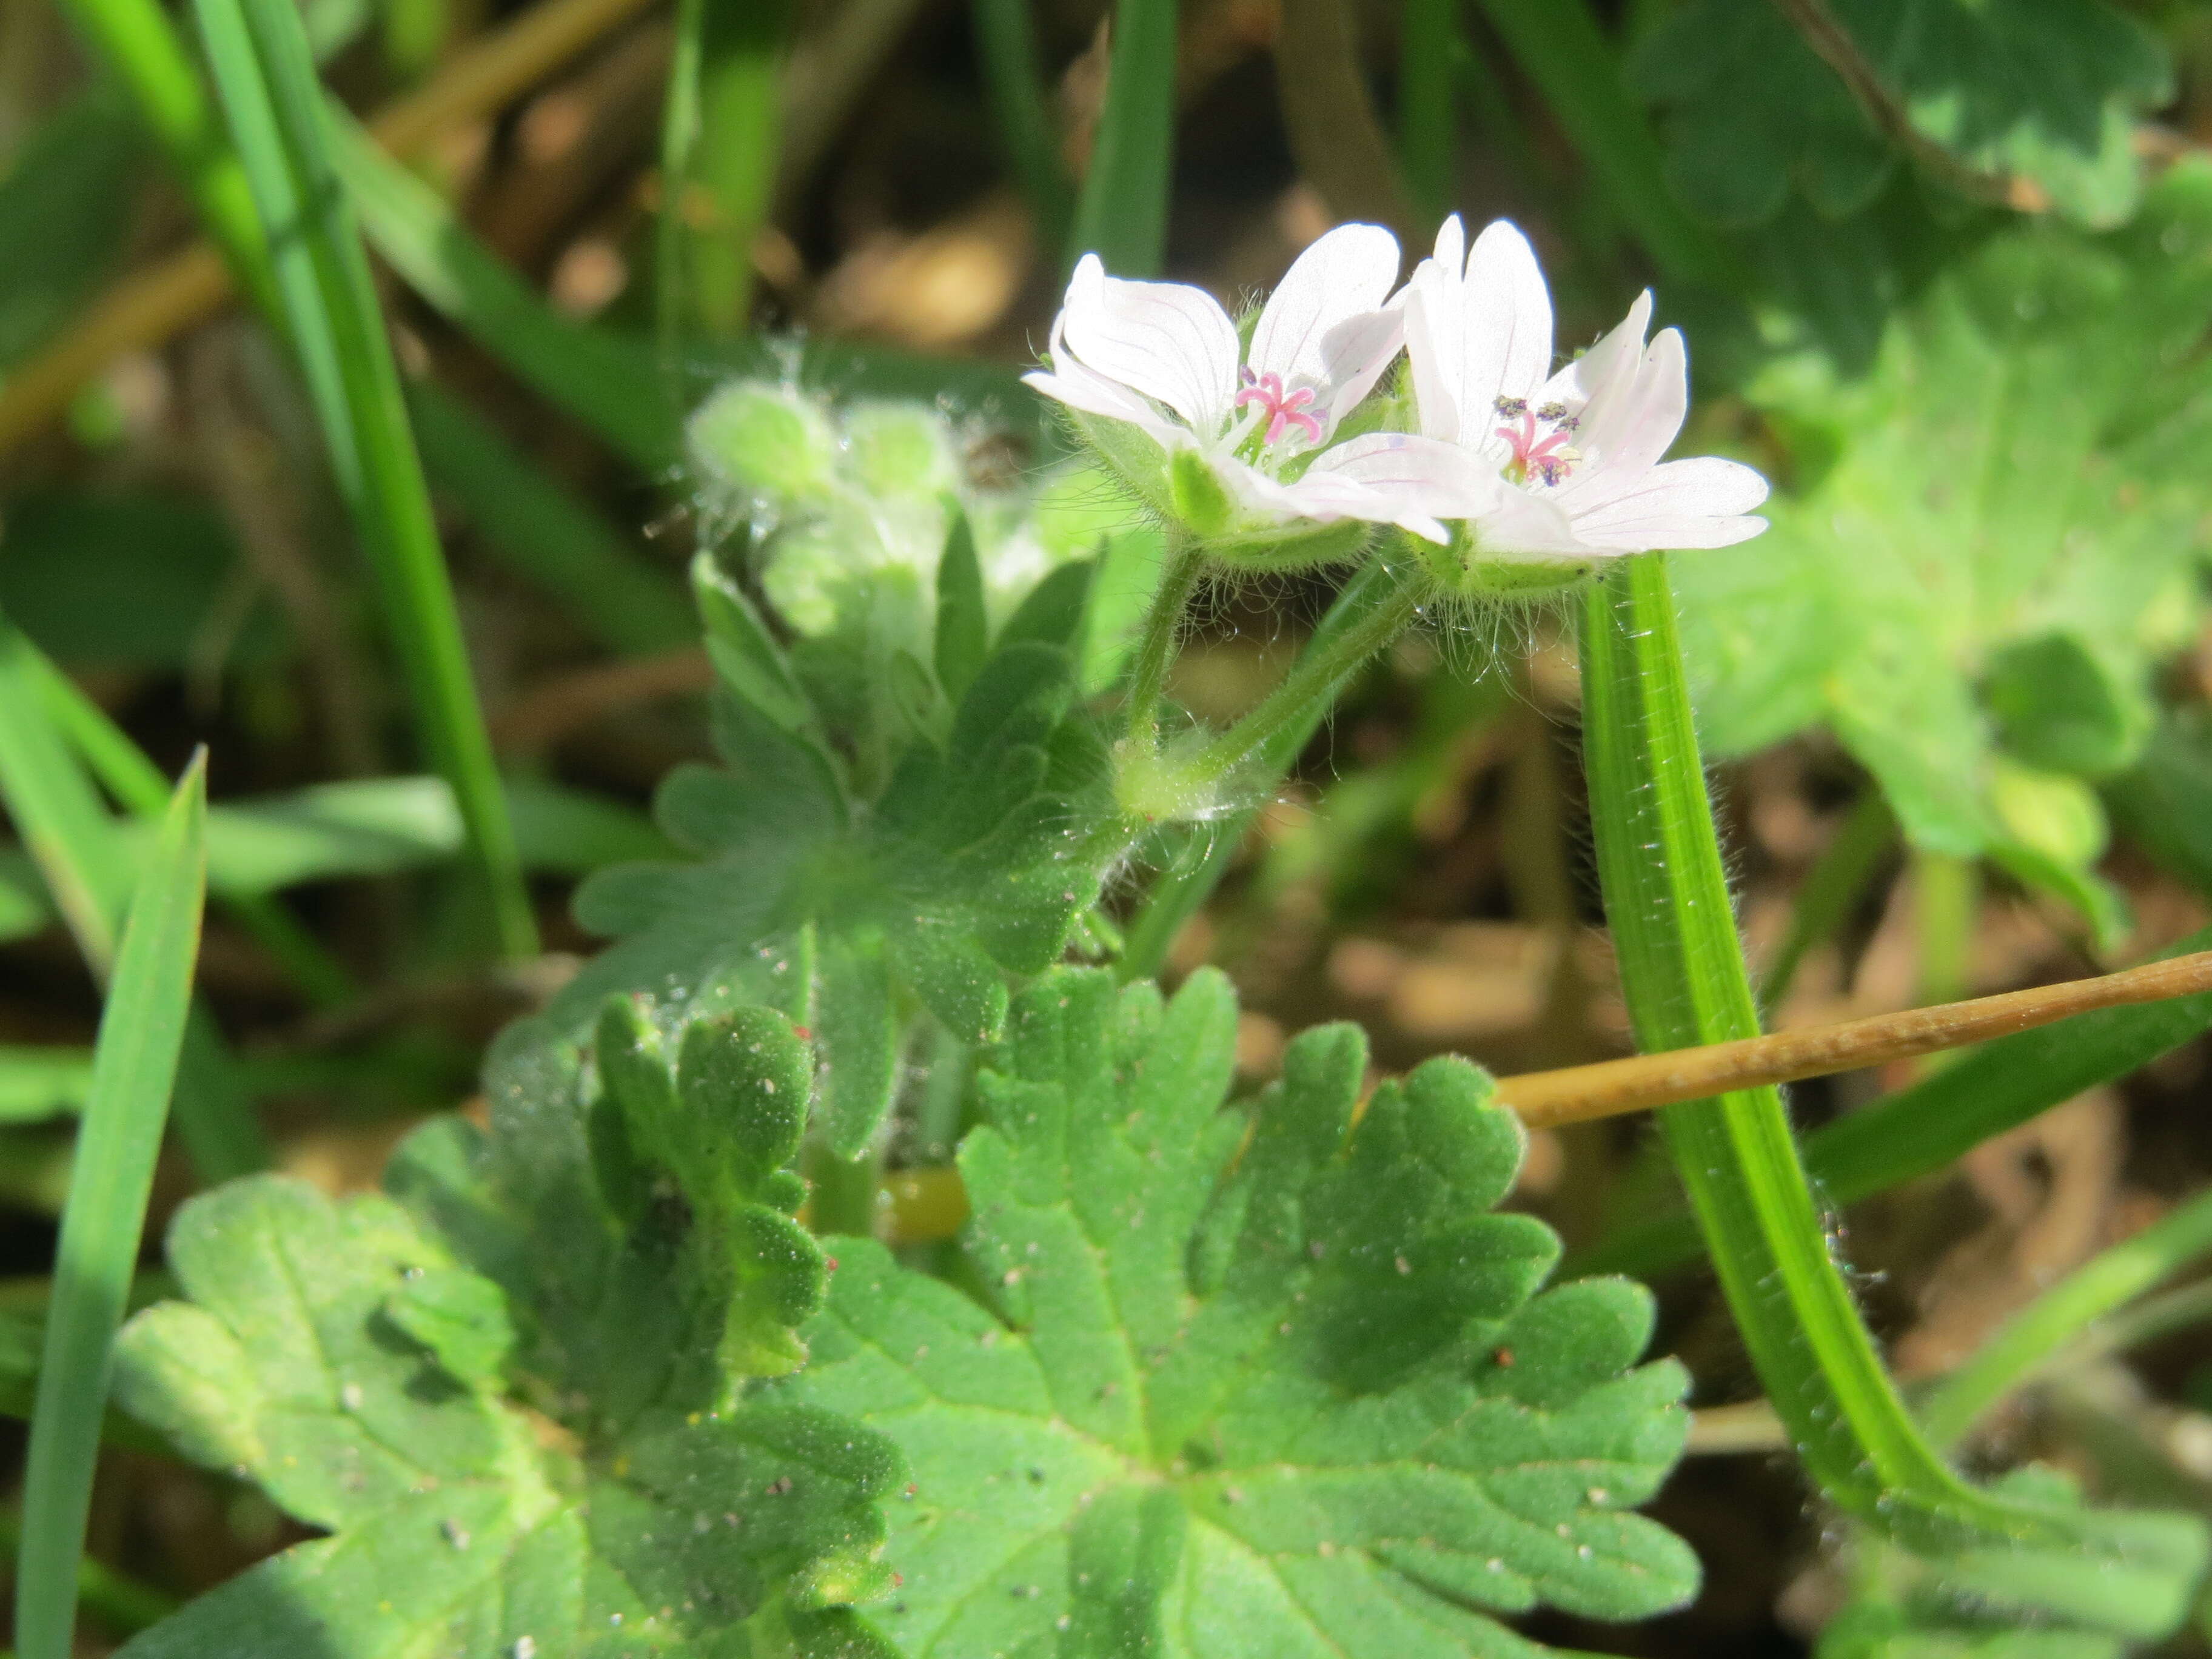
2042,92
1276,1385
1992,541
530,1439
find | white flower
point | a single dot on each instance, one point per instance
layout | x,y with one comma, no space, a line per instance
1570,461
1163,358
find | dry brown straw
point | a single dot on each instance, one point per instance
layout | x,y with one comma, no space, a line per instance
928,1203
150,306
1575,1093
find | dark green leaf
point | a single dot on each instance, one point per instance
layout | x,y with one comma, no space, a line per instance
1304,1400
2045,91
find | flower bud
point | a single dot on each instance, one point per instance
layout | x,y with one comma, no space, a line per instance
765,449
900,449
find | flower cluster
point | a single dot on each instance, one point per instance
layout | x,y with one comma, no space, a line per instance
1274,452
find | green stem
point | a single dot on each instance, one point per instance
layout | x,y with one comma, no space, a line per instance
1156,648
2101,1285
1947,893
1682,974
719,144
1197,870
1384,612
1121,214
1831,888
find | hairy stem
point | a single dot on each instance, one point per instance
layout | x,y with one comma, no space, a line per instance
1155,647
1682,973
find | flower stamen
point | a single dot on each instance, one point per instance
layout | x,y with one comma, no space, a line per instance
1281,410
1545,456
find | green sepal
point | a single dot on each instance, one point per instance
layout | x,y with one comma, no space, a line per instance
1201,503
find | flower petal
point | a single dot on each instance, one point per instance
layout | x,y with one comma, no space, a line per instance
1167,340
1475,341
1521,524
1348,271
1078,387
1702,502
1359,350
1432,479
1599,379
1651,409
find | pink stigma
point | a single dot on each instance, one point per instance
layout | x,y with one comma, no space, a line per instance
1548,457
1283,409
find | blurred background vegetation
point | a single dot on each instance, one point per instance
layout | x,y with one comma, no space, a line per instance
1946,270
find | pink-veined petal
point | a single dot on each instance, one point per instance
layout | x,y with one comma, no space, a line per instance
1069,382
1348,271
1521,524
1651,410
1357,350
1700,503
1508,311
1435,479
1167,340
1600,380
1434,327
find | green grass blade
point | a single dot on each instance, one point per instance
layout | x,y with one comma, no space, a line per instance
137,783
118,1601
265,72
2104,1283
719,144
1561,47
1006,43
606,381
546,534
142,1033
63,827
85,859
1121,213
138,42
1429,43
1683,977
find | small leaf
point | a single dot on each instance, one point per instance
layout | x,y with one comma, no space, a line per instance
963,629
746,657
461,1317
1294,1399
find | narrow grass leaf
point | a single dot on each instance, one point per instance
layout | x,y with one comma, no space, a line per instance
2104,1284
1006,49
142,1034
606,380
263,66
138,42
84,860
137,785
717,159
1122,214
